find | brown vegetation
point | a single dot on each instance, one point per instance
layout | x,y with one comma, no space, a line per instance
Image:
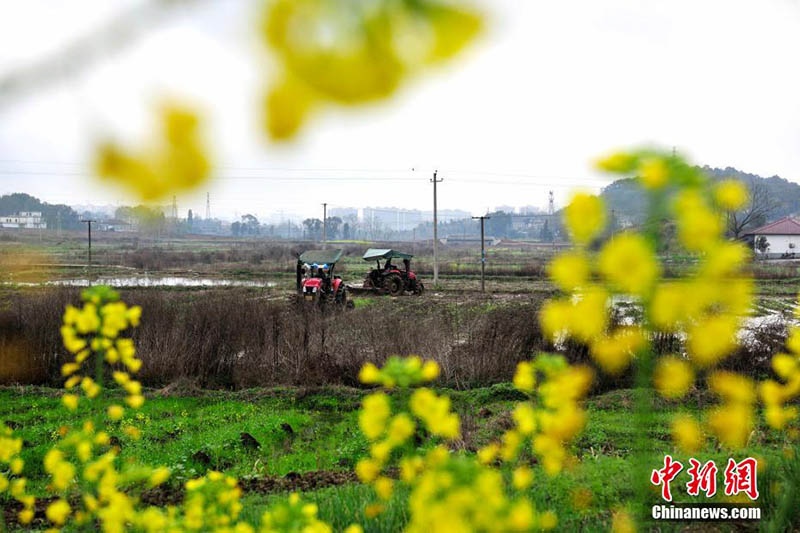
236,338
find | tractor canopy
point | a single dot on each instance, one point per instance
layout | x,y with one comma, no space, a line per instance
373,254
320,257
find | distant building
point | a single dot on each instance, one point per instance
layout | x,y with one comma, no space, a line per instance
470,240
777,239
116,224
24,219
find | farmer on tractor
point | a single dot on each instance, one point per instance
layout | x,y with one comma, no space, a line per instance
389,278
315,279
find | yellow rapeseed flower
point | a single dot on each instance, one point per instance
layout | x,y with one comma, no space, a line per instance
614,352
699,228
617,162
70,401
732,424
585,217
522,478
115,412
730,194
525,377
712,339
627,261
525,418
687,434
372,418
653,172
569,270
673,377
58,511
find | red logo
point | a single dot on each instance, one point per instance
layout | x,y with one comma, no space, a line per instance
741,477
664,476
703,478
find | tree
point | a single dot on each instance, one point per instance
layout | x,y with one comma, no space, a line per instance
333,227
250,225
546,234
313,228
762,244
755,213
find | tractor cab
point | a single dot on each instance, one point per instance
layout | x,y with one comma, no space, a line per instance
316,281
390,278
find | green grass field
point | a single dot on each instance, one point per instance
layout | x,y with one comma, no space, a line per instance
308,440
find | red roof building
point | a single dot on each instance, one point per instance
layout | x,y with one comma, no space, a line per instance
783,226
779,239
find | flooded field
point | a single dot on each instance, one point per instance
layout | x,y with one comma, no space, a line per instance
145,282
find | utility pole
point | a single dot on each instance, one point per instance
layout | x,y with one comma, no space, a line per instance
435,232
483,253
89,227
208,206
324,225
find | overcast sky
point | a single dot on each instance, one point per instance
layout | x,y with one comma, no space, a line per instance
549,86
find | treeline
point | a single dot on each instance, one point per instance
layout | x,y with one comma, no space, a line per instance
56,215
771,198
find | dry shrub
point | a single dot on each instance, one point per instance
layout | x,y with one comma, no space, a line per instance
235,338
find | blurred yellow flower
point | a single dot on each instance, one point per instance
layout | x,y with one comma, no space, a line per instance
569,270
730,194
653,172
355,52
525,377
617,162
176,161
687,434
372,418
614,352
522,478
699,228
732,424
115,412
58,511
629,264
622,522
585,217
673,377
712,339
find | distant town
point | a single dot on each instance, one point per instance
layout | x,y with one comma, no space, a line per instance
22,211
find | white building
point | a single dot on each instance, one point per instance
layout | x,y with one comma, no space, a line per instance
24,219
777,239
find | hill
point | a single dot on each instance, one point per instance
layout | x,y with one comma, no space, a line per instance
627,199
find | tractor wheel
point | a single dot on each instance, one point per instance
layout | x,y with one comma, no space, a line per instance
419,288
393,284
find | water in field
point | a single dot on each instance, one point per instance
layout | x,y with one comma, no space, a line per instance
149,281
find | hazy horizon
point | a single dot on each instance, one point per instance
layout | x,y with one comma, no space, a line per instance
549,87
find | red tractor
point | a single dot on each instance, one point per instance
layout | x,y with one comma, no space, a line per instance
316,282
389,278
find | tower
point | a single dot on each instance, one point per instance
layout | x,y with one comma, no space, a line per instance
551,209
208,206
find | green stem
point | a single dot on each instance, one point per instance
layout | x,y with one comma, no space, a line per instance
645,362
99,358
